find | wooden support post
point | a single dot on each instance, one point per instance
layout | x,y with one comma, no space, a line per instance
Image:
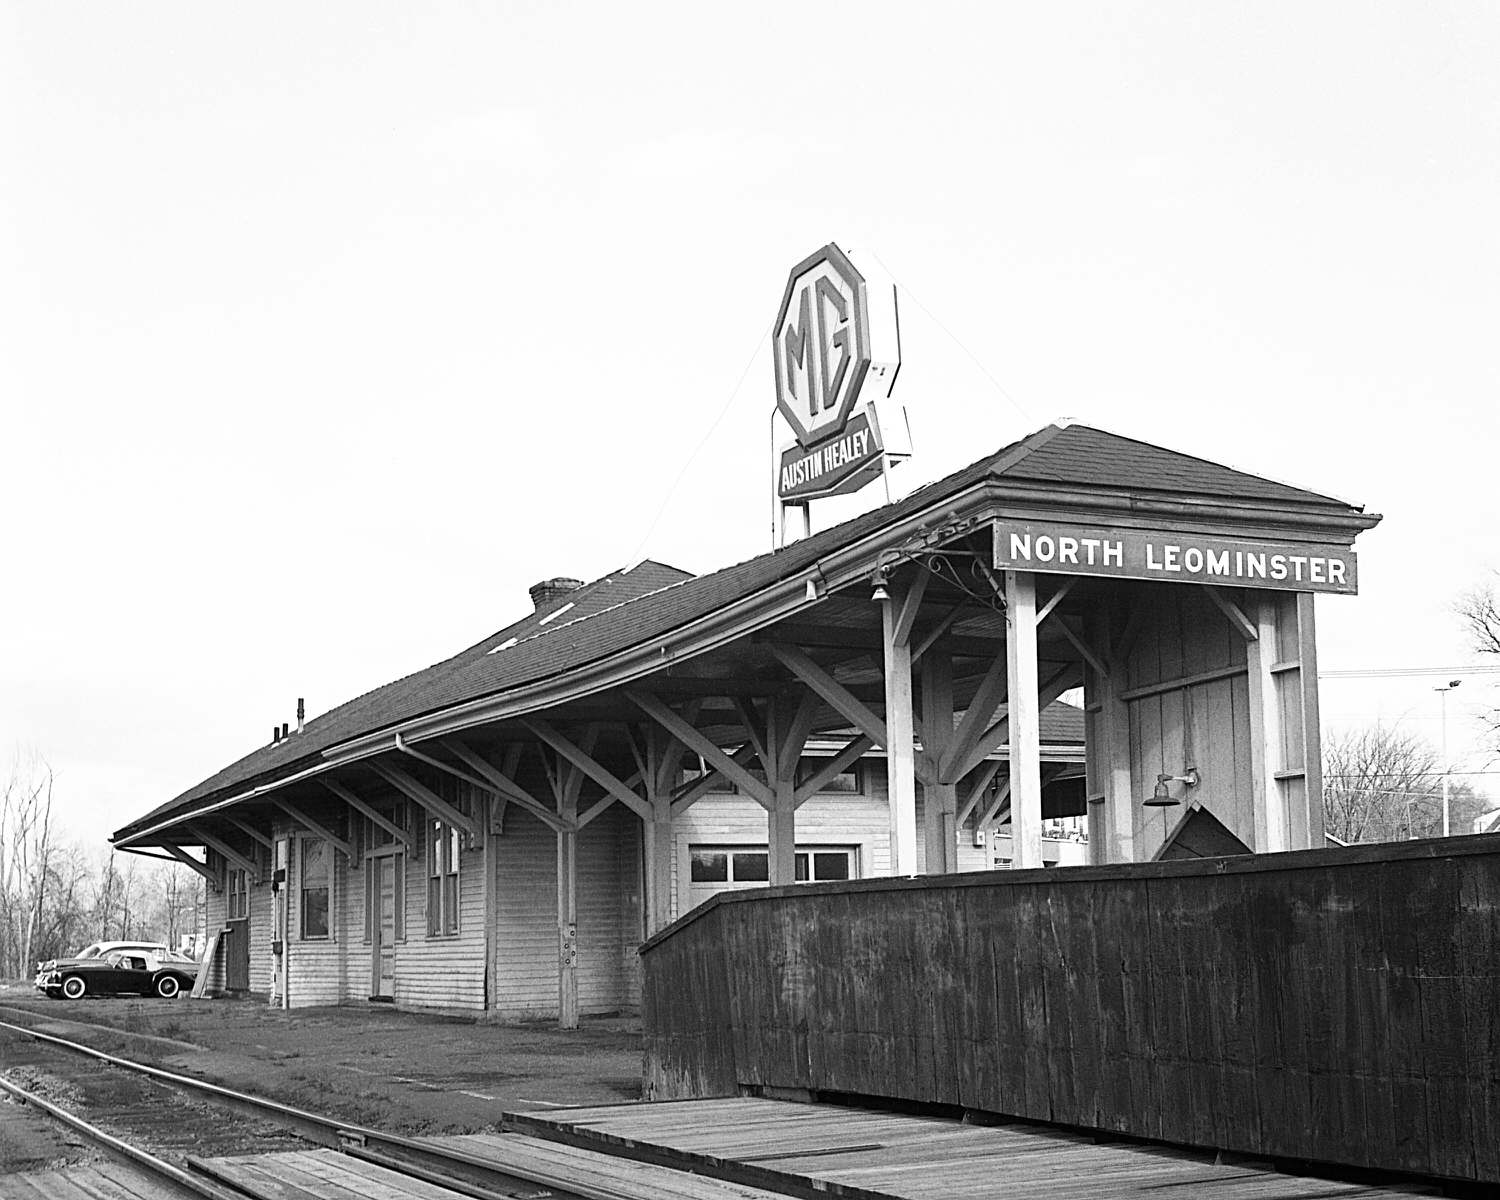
1025,719
663,756
567,779
787,731
1312,721
899,748
1272,828
567,926
939,799
1112,818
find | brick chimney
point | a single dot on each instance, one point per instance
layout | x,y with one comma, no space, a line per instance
544,593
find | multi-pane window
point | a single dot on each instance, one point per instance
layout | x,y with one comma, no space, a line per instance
444,843
751,864
442,878
844,783
317,861
238,893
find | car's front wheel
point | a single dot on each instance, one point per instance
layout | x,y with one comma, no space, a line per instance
73,987
167,987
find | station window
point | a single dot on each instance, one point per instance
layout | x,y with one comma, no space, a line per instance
317,860
238,893
718,785
444,844
751,864
442,879
845,783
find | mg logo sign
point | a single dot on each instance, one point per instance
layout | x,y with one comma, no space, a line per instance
821,343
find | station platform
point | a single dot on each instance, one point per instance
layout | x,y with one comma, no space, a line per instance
818,1150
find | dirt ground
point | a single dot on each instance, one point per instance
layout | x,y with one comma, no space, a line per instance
373,1065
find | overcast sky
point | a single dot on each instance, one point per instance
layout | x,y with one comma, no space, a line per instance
325,330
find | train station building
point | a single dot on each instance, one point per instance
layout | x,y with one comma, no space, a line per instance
885,697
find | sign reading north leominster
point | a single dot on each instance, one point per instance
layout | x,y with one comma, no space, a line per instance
1174,557
843,464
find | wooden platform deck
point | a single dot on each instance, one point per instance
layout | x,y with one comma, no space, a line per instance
102,1181
329,1175
821,1150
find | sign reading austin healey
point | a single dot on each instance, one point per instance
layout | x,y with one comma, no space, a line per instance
1174,557
843,464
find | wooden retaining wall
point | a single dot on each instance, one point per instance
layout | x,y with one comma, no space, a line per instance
1333,1005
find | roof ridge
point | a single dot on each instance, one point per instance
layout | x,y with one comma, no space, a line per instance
1211,462
582,617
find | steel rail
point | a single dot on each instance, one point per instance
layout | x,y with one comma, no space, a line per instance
132,1154
356,1140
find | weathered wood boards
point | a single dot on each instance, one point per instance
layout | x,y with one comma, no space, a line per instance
329,1175
813,1150
101,1181
1335,1005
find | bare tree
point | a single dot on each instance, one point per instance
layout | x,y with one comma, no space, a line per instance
1382,784
1479,609
26,853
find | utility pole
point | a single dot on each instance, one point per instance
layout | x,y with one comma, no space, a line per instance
1447,767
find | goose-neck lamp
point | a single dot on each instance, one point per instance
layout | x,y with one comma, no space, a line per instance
1162,798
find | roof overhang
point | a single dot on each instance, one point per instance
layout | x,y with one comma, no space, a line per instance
946,517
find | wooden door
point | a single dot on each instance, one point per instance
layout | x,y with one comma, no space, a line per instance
381,880
236,951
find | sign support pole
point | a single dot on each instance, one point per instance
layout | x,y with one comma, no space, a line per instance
806,511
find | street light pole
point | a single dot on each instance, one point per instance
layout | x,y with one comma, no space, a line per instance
1447,767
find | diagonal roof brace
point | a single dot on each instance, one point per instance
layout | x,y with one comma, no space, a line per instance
435,805
322,831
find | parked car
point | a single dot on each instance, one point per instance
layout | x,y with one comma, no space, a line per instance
98,950
116,973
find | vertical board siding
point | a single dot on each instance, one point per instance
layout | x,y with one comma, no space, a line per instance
608,910
1331,1005
1204,725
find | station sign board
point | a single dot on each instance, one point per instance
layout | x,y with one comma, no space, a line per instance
836,348
1166,556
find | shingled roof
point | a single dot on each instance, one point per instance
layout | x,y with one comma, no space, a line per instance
634,605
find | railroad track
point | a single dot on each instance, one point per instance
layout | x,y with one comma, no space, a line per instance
429,1169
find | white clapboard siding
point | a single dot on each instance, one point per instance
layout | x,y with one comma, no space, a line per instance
315,966
444,971
836,819
215,913
261,915
526,946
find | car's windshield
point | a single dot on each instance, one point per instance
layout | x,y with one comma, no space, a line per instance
91,951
